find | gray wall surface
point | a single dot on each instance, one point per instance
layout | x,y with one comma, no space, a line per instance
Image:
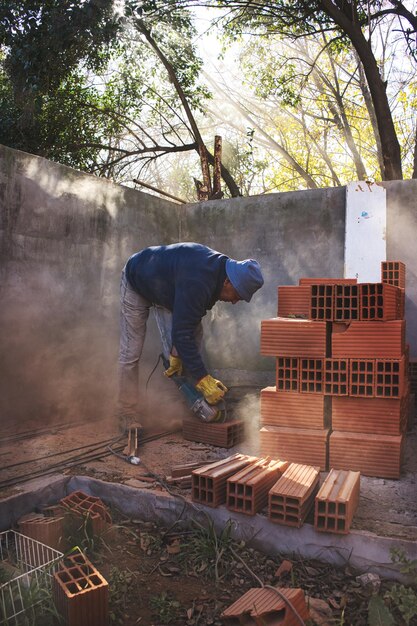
65,236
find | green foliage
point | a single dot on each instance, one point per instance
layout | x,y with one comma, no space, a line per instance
120,582
165,607
404,598
378,613
208,553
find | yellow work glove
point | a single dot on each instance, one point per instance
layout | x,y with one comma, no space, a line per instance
213,390
175,366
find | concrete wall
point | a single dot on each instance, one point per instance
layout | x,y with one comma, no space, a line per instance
65,236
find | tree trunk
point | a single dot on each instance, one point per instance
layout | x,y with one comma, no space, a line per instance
391,152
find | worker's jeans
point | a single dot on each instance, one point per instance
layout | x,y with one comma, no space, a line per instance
134,313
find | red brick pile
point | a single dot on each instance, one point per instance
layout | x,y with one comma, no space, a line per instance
341,395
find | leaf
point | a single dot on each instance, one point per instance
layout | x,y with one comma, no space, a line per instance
378,614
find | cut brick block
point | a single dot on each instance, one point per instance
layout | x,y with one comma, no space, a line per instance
369,340
327,281
209,483
378,301
298,445
287,373
47,530
322,302
393,273
80,593
261,606
337,501
362,378
311,375
336,377
293,338
224,435
372,455
83,505
292,496
390,378
346,303
247,491
294,410
379,416
294,300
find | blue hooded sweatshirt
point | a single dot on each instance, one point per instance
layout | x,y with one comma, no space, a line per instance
186,279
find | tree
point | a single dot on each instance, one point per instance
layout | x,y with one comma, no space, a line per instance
350,21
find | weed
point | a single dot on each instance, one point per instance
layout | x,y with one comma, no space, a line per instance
165,607
208,553
119,584
403,598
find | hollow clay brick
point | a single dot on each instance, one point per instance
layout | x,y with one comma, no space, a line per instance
287,373
362,378
261,606
311,375
337,501
336,377
292,496
393,273
346,303
370,454
379,416
322,302
47,530
296,410
224,435
209,483
247,491
294,300
298,445
80,593
378,301
369,340
327,281
293,337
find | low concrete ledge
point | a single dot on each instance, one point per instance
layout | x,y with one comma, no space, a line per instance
364,551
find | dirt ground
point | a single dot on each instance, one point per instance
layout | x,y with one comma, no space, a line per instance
152,586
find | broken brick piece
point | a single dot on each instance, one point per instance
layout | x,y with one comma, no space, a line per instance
224,435
247,491
292,496
81,504
209,483
263,605
80,593
337,501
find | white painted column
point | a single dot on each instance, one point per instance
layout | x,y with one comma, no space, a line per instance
365,231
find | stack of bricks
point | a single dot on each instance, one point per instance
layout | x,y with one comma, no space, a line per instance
341,394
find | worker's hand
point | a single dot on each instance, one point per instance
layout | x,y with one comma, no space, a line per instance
213,390
175,366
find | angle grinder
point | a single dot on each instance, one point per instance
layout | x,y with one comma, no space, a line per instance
195,400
